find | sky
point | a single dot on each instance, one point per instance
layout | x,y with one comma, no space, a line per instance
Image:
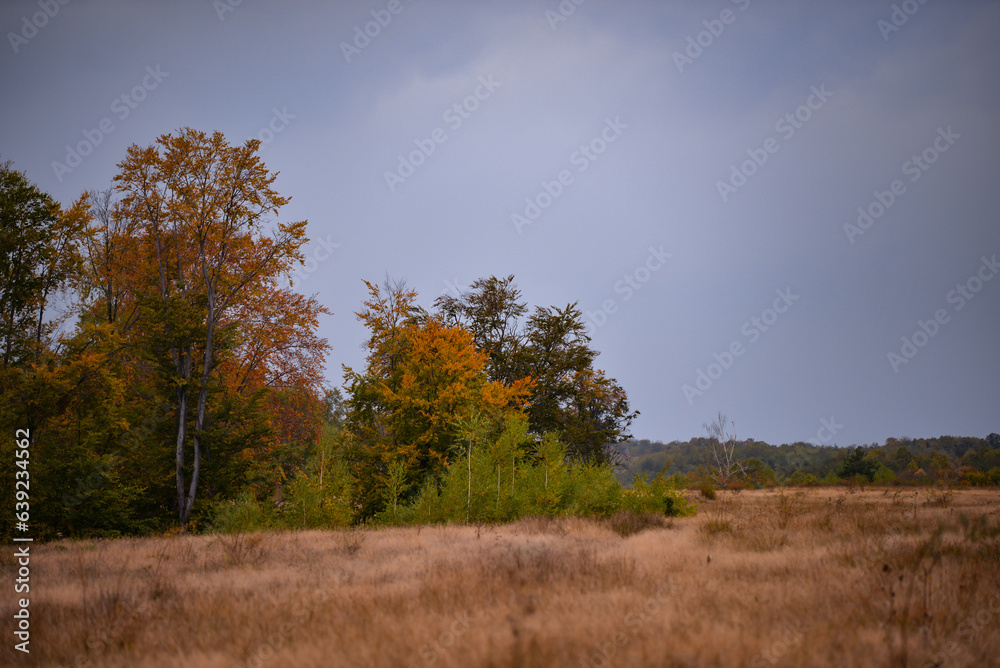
786,212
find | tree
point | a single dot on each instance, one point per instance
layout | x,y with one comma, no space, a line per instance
858,463
590,411
900,459
39,257
422,378
759,474
194,210
722,450
55,384
469,429
491,309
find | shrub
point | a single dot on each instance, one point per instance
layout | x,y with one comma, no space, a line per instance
241,515
884,475
707,490
717,526
658,496
800,479
311,505
593,491
830,479
544,484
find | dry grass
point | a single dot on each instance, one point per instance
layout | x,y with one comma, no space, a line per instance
816,578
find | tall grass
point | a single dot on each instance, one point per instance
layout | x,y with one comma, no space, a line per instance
817,578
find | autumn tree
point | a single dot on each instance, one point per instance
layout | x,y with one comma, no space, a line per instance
58,387
39,264
204,271
421,378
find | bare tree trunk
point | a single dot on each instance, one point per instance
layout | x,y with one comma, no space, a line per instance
206,371
181,437
199,424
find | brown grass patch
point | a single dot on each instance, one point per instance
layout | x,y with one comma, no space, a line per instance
809,578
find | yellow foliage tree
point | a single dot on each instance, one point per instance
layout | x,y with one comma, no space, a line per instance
422,377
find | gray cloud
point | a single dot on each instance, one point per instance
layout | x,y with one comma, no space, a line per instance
655,185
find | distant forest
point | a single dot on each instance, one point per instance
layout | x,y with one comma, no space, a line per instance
946,459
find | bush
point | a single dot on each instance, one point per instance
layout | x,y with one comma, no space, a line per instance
707,490
242,515
830,479
884,475
658,496
593,491
544,485
800,479
314,506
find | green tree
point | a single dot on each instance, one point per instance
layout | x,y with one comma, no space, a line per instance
571,397
759,474
858,463
900,459
589,411
39,257
492,310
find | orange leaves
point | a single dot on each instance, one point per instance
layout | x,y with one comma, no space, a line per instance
516,395
387,310
275,342
422,377
199,206
202,277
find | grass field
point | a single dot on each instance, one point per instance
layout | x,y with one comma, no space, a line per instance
816,578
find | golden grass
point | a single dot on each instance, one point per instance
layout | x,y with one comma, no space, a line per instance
816,578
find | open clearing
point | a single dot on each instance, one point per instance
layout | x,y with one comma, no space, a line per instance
787,578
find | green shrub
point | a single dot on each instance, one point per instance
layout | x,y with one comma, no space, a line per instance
830,479
593,491
658,496
800,479
314,505
242,515
884,475
540,483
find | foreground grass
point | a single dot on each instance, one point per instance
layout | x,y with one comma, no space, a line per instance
817,578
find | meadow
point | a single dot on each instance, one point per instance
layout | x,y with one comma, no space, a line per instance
817,577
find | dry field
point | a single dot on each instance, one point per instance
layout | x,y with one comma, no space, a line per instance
817,578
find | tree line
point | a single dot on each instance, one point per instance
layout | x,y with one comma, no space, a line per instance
154,345
964,460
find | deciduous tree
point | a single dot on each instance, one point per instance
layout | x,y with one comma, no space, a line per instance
587,409
206,258
590,411
421,377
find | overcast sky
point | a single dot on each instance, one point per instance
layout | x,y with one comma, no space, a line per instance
690,173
